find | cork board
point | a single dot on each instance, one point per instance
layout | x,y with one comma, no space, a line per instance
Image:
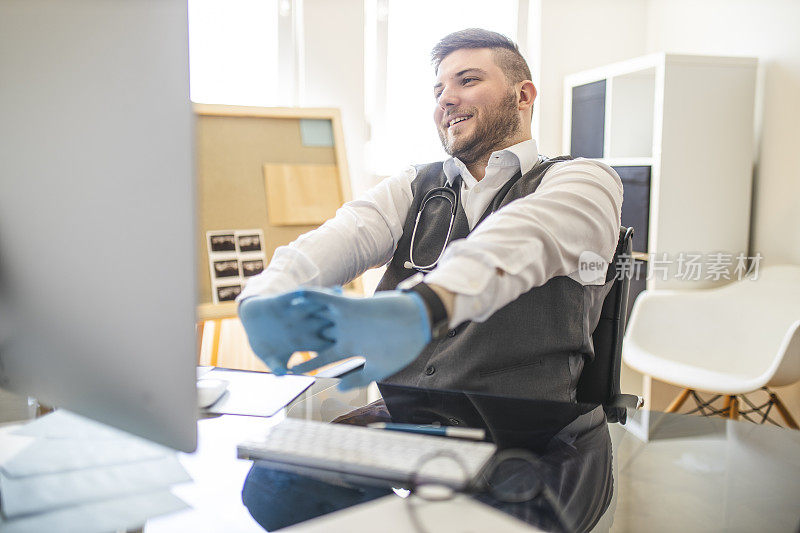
233,146
301,194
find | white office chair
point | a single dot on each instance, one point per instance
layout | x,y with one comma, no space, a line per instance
730,340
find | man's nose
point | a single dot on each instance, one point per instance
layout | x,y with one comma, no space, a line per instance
448,98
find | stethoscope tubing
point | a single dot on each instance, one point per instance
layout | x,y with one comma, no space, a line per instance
430,195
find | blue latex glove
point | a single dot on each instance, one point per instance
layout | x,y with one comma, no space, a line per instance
278,326
389,330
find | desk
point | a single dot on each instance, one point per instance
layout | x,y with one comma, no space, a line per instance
695,474
215,495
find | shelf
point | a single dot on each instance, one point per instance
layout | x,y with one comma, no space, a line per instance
670,125
631,104
622,68
627,161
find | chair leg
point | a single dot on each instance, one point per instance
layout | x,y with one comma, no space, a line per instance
733,412
677,402
726,409
215,342
783,411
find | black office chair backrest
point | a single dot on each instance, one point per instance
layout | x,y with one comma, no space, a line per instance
599,382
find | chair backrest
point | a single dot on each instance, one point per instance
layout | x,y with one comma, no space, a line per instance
599,382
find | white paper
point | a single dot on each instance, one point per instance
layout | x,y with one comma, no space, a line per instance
63,424
108,515
256,393
50,456
34,494
11,444
63,441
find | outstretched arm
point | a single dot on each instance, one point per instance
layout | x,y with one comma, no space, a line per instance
575,209
363,234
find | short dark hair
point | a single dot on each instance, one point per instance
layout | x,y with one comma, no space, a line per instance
506,52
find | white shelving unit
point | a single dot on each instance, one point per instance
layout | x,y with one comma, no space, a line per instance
690,120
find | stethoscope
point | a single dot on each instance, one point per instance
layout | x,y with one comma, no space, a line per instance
451,195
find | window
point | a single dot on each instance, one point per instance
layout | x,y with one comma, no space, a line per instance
244,52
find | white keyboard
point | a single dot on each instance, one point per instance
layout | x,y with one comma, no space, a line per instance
390,456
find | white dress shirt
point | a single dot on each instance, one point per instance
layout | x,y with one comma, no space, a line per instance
575,209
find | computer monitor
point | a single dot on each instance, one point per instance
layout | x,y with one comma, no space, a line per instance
97,242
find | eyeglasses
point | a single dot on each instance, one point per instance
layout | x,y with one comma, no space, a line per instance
511,476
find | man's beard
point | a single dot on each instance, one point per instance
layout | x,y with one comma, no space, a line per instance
496,126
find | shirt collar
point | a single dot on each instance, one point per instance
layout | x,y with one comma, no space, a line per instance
522,155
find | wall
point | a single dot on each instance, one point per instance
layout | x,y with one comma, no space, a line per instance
577,35
766,29
334,76
581,34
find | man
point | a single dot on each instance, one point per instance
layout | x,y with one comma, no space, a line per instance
496,232
503,309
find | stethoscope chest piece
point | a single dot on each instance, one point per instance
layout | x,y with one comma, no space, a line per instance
452,197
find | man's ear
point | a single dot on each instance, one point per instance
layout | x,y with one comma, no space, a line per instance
526,94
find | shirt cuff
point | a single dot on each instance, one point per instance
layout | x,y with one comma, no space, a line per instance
289,269
267,284
468,279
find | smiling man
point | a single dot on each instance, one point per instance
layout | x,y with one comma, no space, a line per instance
481,290
469,132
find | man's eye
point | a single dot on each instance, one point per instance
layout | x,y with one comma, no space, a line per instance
468,80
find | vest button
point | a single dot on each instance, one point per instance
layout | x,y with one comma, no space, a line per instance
430,370
451,333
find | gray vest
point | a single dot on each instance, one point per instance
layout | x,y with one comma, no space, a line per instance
534,347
